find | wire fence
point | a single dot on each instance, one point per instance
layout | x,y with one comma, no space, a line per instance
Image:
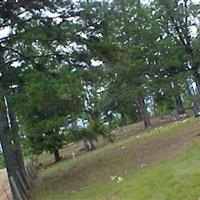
24,194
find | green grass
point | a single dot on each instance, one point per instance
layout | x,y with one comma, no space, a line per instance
174,179
166,129
177,179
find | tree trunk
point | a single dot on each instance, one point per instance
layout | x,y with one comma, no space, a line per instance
89,145
179,105
196,76
17,151
194,66
196,104
143,111
154,107
57,155
123,121
9,153
9,139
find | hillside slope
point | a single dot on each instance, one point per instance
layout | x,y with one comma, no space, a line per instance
157,165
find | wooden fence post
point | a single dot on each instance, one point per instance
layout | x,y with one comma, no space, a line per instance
23,185
27,179
29,174
33,171
19,196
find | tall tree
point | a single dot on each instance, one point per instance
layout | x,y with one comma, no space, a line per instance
45,105
133,40
16,17
180,18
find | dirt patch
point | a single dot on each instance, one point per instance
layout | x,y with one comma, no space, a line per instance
5,192
122,133
141,153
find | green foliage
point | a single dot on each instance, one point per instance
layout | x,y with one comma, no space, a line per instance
91,132
2,163
164,104
44,105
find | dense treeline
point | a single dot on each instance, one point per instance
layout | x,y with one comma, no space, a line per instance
74,70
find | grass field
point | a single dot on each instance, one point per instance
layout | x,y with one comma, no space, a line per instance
162,164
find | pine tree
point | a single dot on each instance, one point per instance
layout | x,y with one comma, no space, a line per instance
178,19
18,20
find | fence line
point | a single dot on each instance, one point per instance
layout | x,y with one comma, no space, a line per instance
31,177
